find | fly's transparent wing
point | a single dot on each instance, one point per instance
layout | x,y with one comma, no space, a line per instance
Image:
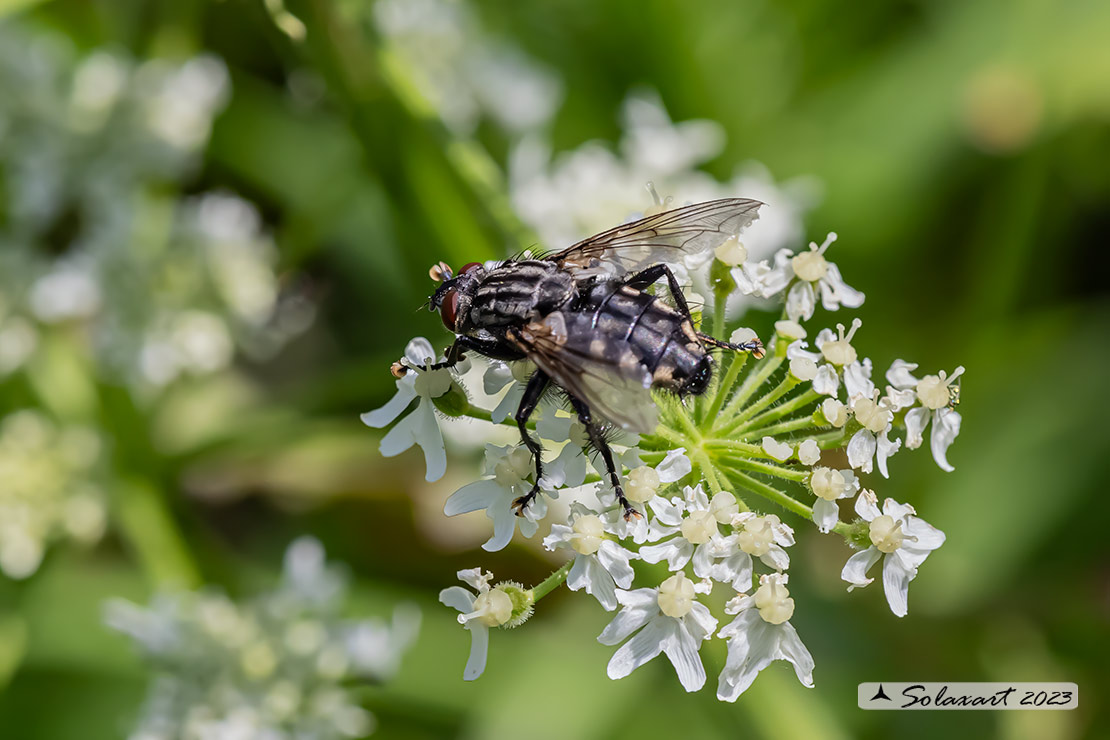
664,237
619,392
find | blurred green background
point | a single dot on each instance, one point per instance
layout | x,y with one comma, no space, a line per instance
194,366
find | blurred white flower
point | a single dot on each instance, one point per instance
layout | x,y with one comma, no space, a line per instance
52,489
279,666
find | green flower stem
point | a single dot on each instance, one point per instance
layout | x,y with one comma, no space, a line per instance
799,476
776,413
793,425
733,372
475,412
707,471
786,385
747,448
771,494
147,526
750,385
832,440
550,583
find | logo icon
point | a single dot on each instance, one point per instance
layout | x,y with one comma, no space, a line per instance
880,694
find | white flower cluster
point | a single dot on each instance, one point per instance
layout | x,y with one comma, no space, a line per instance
462,71
51,489
798,429
279,667
159,287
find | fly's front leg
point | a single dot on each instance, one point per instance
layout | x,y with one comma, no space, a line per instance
537,384
602,446
649,275
453,357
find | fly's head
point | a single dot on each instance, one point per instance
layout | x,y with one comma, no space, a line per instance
452,297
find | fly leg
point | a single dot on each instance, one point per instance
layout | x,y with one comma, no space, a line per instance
754,346
490,348
597,439
649,275
537,384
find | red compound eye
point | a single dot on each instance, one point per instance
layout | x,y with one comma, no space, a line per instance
469,266
449,307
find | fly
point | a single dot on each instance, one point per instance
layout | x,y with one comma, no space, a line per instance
583,317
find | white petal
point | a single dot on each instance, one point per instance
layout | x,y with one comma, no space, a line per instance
796,351
900,375
885,450
857,379
776,558
925,536
508,404
946,425
855,570
800,302
419,351
675,466
700,622
825,514
792,649
867,506
504,525
587,573
677,552
614,559
479,646
682,649
916,421
497,376
383,416
644,645
427,435
896,584
900,399
457,597
834,291
472,497
861,450
826,383
638,608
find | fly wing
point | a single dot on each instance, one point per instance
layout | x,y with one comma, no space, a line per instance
664,237
620,392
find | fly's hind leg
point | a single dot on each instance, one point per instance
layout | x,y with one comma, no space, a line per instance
602,446
537,384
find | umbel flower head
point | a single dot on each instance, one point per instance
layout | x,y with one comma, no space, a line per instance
718,489
279,666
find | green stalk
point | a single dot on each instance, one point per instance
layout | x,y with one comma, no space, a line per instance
734,368
550,583
776,413
772,494
793,425
798,476
786,385
750,385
